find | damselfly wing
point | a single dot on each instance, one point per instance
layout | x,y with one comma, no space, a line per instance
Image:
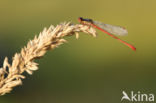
116,30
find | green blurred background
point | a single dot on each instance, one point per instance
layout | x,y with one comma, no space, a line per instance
87,70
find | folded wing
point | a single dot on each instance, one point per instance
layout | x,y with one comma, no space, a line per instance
116,30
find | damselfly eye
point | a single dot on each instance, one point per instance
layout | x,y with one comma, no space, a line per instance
80,18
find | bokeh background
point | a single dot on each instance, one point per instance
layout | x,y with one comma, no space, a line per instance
87,70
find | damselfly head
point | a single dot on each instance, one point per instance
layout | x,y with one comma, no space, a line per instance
80,19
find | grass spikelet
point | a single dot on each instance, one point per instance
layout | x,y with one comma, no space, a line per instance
11,75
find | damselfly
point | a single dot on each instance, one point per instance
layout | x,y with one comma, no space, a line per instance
111,30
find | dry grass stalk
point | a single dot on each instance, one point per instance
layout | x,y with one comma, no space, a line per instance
11,74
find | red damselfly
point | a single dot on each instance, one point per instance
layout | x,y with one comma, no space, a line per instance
111,30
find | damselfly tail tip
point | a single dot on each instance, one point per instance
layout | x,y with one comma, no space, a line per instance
129,45
132,47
